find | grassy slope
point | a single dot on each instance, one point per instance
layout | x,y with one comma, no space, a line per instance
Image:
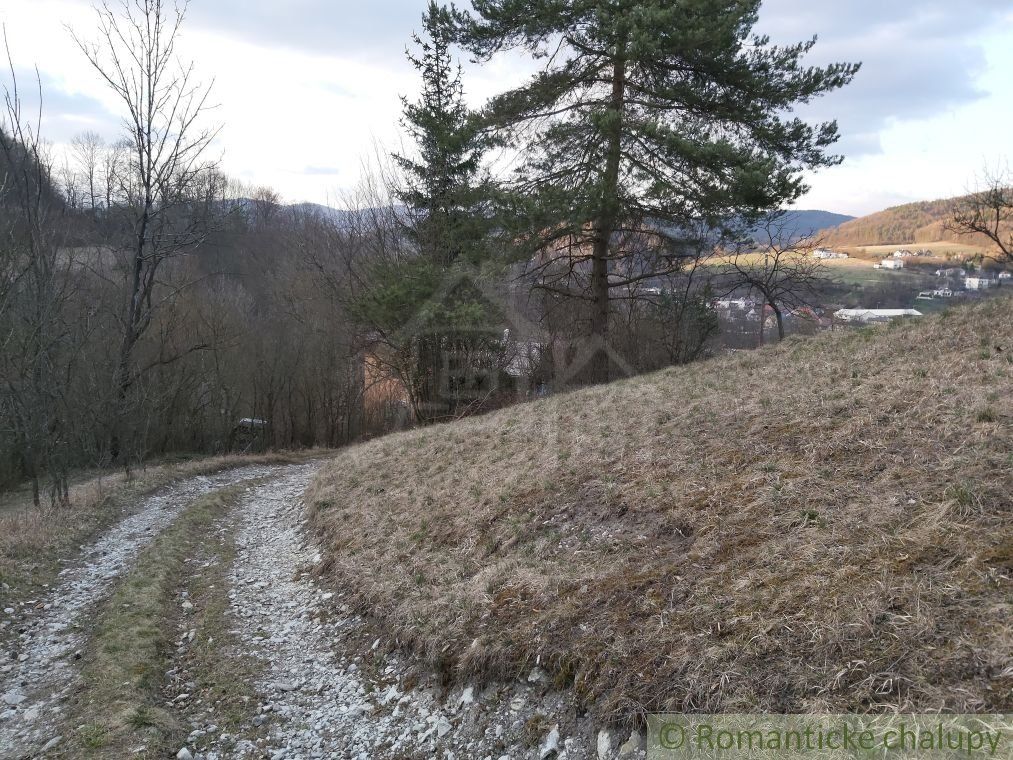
819,526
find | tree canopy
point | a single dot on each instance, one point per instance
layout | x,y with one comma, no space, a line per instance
656,115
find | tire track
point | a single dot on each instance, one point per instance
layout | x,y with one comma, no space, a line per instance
37,679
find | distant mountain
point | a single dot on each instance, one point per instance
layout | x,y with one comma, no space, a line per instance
339,216
797,224
803,223
342,218
921,222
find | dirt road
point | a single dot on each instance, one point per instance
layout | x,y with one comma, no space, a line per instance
323,683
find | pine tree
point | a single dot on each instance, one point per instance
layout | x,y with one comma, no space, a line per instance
444,222
650,117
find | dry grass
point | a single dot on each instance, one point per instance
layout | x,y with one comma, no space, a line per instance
819,526
119,704
939,249
34,542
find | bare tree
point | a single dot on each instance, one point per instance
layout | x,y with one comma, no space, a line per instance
164,109
88,149
34,289
69,181
989,212
783,271
117,183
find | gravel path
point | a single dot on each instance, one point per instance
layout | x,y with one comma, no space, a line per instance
315,703
330,685
325,693
37,676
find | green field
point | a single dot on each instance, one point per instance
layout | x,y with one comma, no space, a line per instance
865,274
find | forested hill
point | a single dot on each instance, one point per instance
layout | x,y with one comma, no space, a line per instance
921,222
804,222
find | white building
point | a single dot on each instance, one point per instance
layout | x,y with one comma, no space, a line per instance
826,253
1004,275
902,254
741,304
865,316
974,282
892,264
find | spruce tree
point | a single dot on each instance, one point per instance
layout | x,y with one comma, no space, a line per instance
649,117
440,187
416,300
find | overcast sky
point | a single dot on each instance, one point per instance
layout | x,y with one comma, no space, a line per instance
307,88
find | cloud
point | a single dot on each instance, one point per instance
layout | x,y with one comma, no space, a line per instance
64,114
377,29
321,170
919,58
308,89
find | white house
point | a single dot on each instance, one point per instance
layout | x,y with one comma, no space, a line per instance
976,282
950,272
902,254
943,293
826,253
892,264
865,316
1005,275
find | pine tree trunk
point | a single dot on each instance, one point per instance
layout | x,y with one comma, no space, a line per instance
605,225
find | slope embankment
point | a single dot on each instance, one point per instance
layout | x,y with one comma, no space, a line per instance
821,526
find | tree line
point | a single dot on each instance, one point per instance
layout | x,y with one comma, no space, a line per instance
151,305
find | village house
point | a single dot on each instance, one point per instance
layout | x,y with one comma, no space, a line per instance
826,253
892,264
978,282
741,304
950,272
904,253
928,295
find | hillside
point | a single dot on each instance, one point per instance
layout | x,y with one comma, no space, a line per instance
921,222
818,526
801,223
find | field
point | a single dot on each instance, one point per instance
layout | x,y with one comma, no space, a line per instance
940,250
819,526
854,271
